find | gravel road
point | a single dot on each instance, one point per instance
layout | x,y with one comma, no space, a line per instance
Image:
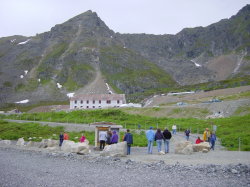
31,168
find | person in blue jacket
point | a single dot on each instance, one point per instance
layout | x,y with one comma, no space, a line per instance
129,139
212,140
150,134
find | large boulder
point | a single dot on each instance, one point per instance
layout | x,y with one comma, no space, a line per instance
48,143
119,149
184,148
201,146
20,142
5,142
70,146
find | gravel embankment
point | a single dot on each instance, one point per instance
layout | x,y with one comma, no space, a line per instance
40,168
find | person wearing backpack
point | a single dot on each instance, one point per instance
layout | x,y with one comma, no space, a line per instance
166,137
129,139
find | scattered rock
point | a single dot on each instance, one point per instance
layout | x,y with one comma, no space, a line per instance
70,146
161,153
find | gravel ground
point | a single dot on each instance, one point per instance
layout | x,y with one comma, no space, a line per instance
22,167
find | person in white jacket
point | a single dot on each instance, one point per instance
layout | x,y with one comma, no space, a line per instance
102,139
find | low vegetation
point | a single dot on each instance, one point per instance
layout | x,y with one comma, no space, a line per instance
229,129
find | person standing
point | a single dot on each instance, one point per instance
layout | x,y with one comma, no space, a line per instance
102,139
65,136
150,134
109,135
114,138
174,127
82,139
212,140
206,135
61,138
167,136
187,133
129,139
158,139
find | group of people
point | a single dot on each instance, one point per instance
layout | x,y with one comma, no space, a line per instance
65,136
208,136
159,137
112,138
107,138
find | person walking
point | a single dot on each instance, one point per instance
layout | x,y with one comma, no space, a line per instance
158,139
206,135
187,133
129,139
150,134
82,139
166,137
174,127
212,140
114,138
61,138
102,139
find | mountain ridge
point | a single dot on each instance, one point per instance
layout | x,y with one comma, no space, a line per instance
72,53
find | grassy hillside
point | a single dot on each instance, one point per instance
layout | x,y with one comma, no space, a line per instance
229,129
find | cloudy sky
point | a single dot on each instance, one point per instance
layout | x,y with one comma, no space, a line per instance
28,17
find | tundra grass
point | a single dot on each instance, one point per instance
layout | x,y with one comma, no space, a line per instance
229,129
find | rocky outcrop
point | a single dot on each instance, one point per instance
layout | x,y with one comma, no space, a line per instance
119,149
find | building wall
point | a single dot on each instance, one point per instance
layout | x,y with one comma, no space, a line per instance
83,104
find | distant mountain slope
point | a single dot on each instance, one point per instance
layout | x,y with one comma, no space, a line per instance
75,54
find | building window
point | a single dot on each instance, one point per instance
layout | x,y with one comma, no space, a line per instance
93,101
93,106
108,101
118,101
87,101
75,101
81,101
87,106
99,106
100,101
75,106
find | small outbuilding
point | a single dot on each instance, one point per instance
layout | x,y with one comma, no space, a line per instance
105,126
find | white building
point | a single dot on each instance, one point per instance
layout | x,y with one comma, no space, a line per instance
93,101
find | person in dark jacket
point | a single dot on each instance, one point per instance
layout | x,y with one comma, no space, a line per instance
129,139
61,138
158,139
114,138
109,135
167,136
187,133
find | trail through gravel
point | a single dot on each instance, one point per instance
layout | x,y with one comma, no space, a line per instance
32,168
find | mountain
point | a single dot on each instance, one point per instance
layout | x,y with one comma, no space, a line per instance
83,54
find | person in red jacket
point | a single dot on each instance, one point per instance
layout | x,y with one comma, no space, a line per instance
66,136
82,139
198,140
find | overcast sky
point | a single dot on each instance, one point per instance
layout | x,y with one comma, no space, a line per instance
29,17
